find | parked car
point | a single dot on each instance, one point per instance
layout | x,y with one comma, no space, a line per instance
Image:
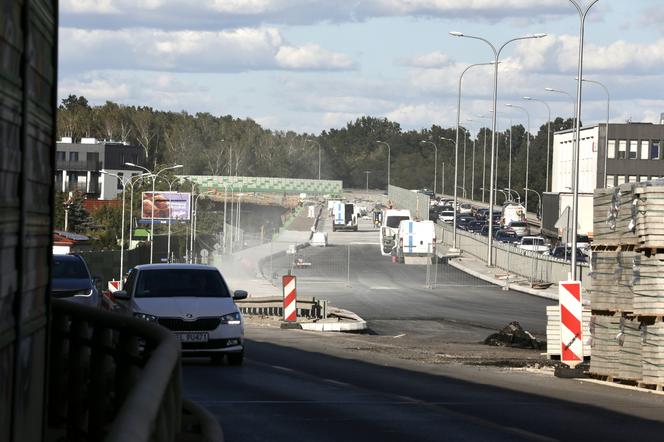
521,228
506,236
71,280
463,221
191,300
475,226
482,214
563,252
465,209
485,229
428,192
534,244
447,216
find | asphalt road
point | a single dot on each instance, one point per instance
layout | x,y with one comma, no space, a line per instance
332,387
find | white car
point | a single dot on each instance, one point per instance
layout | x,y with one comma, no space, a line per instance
191,300
447,216
521,228
534,244
465,209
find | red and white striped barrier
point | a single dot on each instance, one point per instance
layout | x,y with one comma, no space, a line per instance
571,315
113,286
290,298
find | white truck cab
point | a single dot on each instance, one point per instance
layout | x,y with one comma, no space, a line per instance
389,228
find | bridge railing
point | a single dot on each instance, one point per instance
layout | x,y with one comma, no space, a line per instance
115,378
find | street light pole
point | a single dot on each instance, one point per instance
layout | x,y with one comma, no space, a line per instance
558,91
608,115
442,180
435,163
316,141
124,188
496,53
577,139
483,159
548,138
527,147
388,163
367,172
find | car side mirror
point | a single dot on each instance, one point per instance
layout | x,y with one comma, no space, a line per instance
121,295
240,294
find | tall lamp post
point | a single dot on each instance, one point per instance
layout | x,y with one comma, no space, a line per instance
442,178
435,163
154,180
456,144
527,147
170,216
388,163
548,138
316,141
608,115
496,53
483,159
472,170
583,12
367,172
558,91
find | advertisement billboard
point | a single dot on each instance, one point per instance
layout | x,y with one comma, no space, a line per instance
167,205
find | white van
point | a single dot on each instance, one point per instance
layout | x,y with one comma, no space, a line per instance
416,239
389,228
344,217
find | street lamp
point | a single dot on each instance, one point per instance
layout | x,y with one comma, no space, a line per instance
124,185
608,114
435,163
367,172
442,178
483,158
315,141
388,163
548,137
472,170
154,180
496,53
527,147
558,91
456,143
577,140
170,189
539,199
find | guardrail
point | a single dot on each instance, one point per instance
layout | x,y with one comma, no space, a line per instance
116,378
274,306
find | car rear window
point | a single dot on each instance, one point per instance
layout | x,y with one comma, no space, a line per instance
68,268
167,283
518,224
393,221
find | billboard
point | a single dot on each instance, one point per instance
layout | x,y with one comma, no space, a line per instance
167,205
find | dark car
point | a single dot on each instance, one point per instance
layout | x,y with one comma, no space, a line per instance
506,236
563,252
475,226
482,214
463,221
71,280
485,229
428,193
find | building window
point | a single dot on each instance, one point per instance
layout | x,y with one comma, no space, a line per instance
621,179
632,179
610,181
119,187
612,149
633,149
73,156
654,150
60,156
622,149
645,148
643,178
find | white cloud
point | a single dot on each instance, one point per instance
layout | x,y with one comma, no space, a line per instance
434,59
192,51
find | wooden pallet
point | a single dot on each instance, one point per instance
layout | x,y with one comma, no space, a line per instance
648,386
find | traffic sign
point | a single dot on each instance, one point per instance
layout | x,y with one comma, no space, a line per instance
571,315
290,298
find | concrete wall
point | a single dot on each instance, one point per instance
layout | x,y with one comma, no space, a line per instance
417,203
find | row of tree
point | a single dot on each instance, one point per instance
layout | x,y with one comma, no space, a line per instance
209,145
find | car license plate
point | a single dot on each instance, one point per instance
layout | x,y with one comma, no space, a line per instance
192,337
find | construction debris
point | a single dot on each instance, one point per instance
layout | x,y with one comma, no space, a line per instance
513,335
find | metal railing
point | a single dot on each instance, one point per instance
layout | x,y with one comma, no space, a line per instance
113,378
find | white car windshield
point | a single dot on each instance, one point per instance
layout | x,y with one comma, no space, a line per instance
167,283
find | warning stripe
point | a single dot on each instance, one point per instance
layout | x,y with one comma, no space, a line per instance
290,298
571,309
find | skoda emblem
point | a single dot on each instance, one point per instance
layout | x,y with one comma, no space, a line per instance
188,316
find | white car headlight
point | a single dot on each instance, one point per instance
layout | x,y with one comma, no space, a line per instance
145,317
232,318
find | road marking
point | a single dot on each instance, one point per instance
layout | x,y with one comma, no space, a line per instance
399,336
381,288
278,367
332,381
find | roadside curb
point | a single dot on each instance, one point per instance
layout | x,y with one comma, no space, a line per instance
517,288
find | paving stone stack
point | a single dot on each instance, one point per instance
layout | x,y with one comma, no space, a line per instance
648,284
604,345
630,351
653,353
614,216
611,280
649,198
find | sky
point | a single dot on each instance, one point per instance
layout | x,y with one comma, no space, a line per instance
313,65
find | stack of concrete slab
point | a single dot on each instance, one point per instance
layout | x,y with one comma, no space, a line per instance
630,350
614,216
611,283
653,353
604,345
553,344
650,214
648,285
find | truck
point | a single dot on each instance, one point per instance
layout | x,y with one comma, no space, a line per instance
389,228
513,212
555,205
416,241
344,217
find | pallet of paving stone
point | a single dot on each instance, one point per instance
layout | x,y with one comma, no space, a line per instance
604,330
611,280
614,216
553,345
648,284
653,353
630,350
650,214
